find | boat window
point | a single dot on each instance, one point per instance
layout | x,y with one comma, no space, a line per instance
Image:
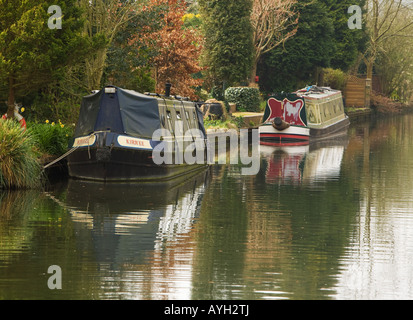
168,114
178,115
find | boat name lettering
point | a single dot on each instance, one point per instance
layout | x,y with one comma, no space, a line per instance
84,141
135,142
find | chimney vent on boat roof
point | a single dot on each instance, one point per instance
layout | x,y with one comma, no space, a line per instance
110,90
168,89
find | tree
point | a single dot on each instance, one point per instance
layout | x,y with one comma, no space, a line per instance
384,21
104,19
273,23
32,54
228,50
176,49
394,63
298,61
128,62
347,43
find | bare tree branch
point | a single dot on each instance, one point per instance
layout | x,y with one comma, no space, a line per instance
273,22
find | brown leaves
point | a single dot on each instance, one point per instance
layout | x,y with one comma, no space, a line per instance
177,48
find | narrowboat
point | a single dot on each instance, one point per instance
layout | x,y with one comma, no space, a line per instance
115,139
309,114
285,121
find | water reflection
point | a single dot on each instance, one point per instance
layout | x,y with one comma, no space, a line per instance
139,232
327,221
378,261
299,212
15,237
284,164
113,241
304,164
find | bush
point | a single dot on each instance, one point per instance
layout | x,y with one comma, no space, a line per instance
19,165
51,138
383,104
51,103
334,78
218,93
246,98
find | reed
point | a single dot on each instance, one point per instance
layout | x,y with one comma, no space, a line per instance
19,164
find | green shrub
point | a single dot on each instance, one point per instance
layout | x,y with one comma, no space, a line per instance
51,138
19,165
50,104
218,93
246,98
334,78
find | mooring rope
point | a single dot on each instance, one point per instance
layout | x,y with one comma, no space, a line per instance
60,158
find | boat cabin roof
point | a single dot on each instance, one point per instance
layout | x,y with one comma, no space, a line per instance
318,93
129,112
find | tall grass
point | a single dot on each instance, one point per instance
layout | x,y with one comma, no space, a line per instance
19,165
52,139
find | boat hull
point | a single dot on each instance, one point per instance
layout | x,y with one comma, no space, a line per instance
337,128
106,160
294,135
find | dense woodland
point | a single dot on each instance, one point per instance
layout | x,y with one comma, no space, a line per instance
201,47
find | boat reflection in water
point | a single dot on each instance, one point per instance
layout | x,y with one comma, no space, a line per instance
303,164
138,230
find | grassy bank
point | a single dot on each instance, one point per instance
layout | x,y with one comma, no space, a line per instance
20,167
51,138
23,153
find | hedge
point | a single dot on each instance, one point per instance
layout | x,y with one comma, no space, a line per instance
247,99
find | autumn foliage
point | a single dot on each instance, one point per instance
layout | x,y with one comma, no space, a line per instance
176,48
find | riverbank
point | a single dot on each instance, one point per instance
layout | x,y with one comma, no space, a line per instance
378,110
50,140
250,120
24,153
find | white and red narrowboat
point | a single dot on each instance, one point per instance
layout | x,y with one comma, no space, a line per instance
309,114
285,121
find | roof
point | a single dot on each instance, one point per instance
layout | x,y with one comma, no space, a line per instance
118,110
315,92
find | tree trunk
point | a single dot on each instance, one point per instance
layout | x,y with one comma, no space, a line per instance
94,69
253,74
370,65
11,100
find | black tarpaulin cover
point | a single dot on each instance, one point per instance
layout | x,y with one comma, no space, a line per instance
125,112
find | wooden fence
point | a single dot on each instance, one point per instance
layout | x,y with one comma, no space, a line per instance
357,92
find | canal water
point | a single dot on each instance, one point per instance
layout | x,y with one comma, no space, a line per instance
329,221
